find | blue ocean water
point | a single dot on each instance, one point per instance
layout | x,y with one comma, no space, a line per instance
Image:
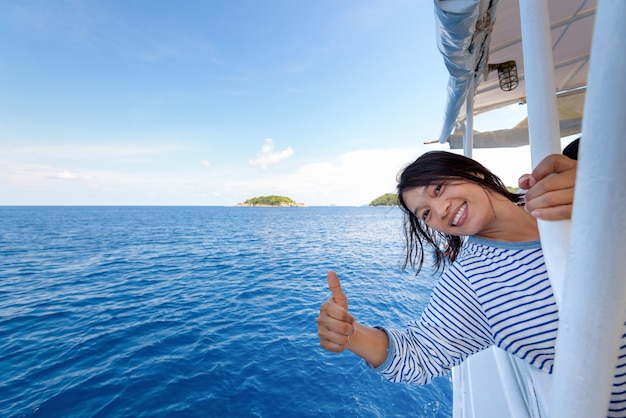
199,311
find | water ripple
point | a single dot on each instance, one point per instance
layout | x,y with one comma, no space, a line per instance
193,312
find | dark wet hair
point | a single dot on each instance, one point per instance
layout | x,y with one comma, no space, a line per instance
436,167
571,150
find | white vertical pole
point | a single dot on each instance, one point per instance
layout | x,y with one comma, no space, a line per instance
543,123
594,305
468,135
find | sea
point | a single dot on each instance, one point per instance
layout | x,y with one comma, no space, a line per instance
200,312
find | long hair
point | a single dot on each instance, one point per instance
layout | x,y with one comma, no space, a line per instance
436,167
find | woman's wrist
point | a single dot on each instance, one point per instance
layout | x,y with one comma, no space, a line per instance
371,344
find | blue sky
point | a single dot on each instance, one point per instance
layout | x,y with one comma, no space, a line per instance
157,102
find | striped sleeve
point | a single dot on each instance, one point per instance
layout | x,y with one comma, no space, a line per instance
451,328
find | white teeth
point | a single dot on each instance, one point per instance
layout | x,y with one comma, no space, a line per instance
458,214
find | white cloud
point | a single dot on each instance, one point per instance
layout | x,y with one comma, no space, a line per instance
268,156
506,163
354,178
66,175
205,163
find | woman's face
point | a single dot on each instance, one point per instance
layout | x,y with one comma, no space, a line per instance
455,207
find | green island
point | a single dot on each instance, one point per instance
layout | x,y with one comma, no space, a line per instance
271,201
388,199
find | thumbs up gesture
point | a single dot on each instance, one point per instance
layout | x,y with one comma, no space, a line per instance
335,325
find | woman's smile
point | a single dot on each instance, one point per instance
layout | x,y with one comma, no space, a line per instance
460,217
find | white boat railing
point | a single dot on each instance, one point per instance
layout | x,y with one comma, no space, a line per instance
543,124
594,300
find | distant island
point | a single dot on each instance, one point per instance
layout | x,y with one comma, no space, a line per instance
271,201
388,199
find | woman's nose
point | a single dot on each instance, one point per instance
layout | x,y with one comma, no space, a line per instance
442,209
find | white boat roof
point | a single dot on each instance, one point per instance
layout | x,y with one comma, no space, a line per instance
475,33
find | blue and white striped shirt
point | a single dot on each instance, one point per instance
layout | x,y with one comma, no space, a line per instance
495,293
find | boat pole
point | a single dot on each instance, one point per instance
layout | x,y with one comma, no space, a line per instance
543,124
594,304
468,134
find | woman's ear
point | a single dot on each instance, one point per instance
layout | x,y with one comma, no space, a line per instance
479,175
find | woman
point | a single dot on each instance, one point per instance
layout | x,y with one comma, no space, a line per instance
494,289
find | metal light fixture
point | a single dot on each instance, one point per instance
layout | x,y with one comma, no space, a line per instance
507,74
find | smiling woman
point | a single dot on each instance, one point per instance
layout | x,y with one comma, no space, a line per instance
449,196
494,289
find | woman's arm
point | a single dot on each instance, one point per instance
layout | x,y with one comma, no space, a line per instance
426,348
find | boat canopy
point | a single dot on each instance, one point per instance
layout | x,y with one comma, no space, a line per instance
484,58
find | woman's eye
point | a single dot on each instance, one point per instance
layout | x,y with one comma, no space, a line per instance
438,189
425,214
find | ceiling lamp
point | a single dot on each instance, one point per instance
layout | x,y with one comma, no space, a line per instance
507,74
